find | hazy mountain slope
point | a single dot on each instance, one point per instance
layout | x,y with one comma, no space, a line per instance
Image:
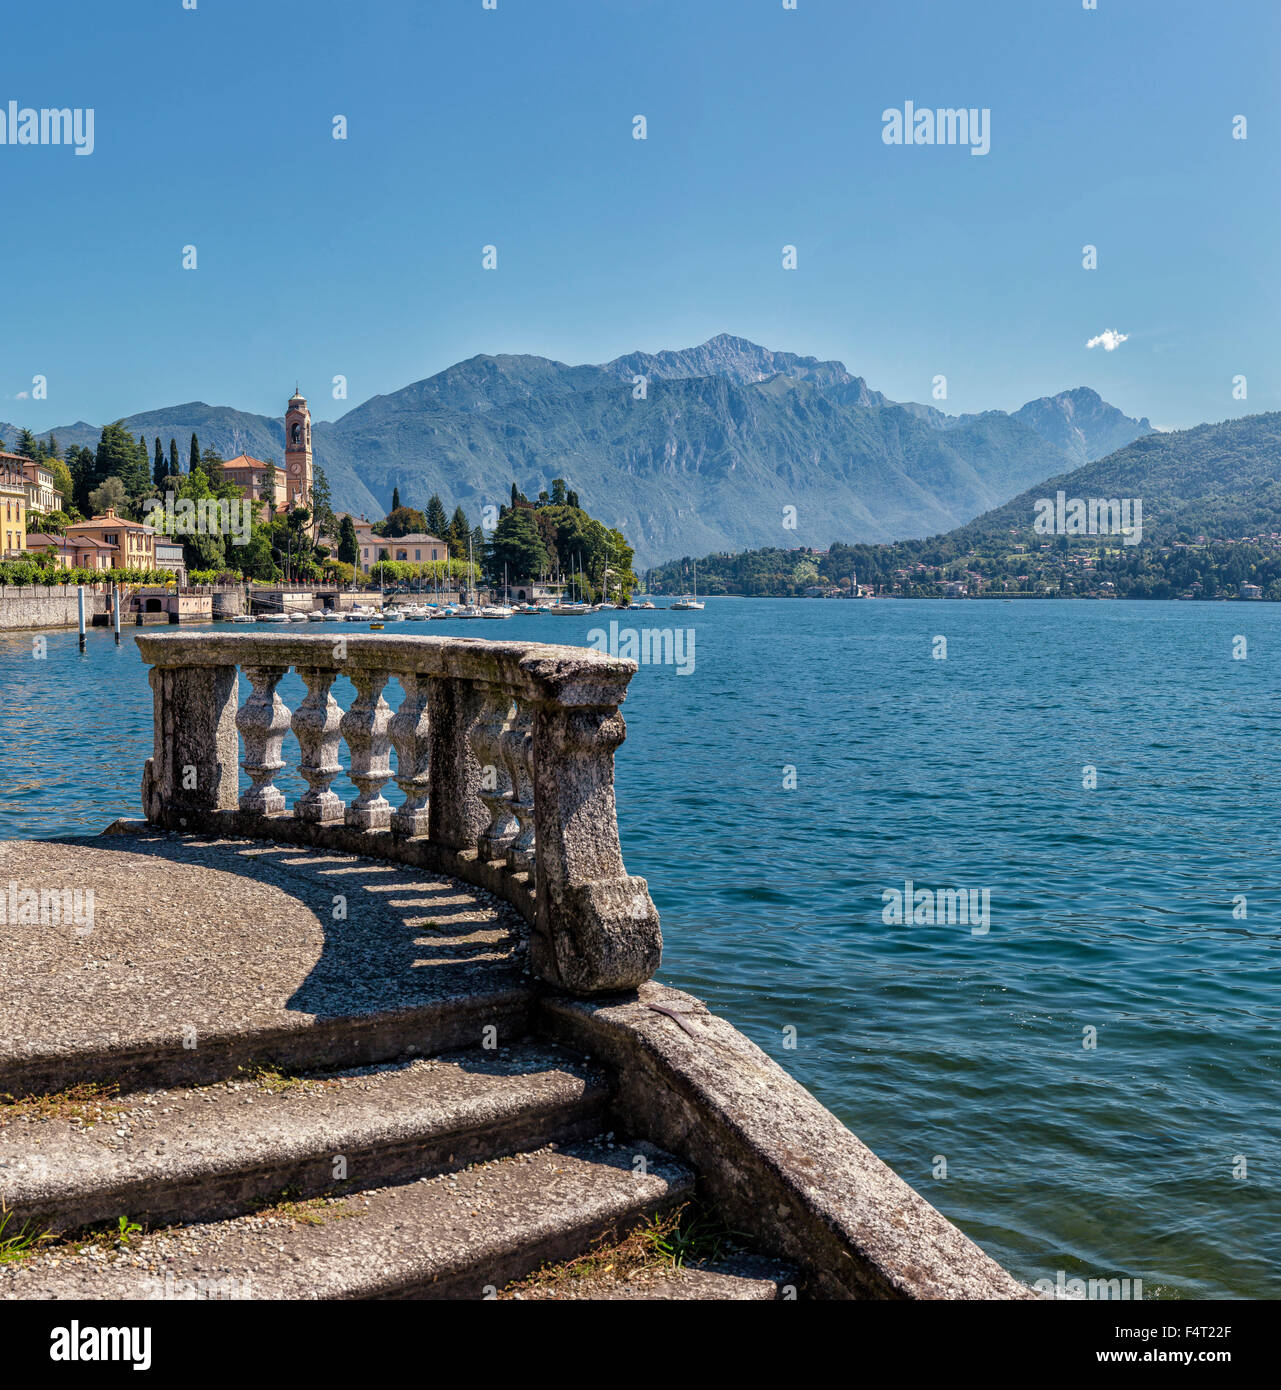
1218,480
702,462
739,361
1082,423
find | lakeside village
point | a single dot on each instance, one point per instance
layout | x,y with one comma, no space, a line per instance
129,515
1018,564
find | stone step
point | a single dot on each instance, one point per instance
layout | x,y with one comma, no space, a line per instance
737,1278
461,1235
167,1156
445,1025
206,955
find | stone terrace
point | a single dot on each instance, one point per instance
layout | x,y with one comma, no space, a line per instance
345,1051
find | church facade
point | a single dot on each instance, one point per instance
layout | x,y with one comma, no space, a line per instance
293,482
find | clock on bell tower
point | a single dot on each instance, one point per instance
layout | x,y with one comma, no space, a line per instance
298,466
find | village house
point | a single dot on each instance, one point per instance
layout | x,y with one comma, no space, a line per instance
13,513
417,548
132,544
72,552
169,557
42,496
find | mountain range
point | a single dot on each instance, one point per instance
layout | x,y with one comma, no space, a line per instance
688,452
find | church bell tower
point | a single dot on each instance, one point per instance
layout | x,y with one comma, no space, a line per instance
298,467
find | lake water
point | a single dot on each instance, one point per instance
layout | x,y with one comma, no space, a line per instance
819,754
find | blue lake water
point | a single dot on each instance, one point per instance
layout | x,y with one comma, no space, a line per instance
1111,908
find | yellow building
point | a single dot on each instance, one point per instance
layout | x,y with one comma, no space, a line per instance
133,545
13,514
42,496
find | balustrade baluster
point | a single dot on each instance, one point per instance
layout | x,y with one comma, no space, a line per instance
518,755
365,727
317,724
495,783
263,721
410,733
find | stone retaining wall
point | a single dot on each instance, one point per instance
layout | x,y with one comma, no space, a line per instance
39,607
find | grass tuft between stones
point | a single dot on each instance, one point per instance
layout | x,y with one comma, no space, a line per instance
87,1102
687,1235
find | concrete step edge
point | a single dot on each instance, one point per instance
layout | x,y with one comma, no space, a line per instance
463,1235
316,1043
171,1156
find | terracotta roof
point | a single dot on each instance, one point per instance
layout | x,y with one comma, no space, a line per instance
39,538
242,462
104,520
414,538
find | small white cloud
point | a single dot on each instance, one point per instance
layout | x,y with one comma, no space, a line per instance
1109,340
23,396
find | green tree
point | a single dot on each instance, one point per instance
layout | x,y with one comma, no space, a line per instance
395,499
194,456
437,521
174,470
255,559
404,521
348,545
517,547
459,531
119,456
160,469
211,462
322,505
558,492
109,493
62,480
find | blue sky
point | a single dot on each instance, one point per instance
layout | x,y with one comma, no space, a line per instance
513,127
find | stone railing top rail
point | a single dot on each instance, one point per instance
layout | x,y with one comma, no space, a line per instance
536,671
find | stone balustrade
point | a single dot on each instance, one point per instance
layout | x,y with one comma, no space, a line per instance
504,753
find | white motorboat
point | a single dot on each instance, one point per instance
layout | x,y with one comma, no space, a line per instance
496,610
689,603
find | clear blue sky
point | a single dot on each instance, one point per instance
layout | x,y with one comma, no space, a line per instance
514,127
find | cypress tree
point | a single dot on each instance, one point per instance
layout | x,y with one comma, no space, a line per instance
195,453
160,470
459,530
173,458
395,499
348,546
